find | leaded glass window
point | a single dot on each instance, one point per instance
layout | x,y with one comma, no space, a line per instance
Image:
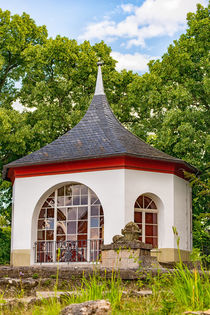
146,216
71,219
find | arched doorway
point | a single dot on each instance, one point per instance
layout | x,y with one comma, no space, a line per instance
146,216
70,226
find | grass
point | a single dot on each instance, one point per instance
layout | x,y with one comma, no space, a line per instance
173,293
183,290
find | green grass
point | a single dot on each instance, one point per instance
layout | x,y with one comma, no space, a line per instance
173,293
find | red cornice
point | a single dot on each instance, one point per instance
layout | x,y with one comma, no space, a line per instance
109,163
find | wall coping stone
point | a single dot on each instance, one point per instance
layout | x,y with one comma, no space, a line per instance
127,245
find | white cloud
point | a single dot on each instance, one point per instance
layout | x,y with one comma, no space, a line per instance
151,19
127,7
136,62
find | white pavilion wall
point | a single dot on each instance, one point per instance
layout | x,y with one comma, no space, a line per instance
117,191
30,192
172,196
160,187
183,212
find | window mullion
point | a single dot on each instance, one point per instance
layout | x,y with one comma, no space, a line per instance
143,226
88,234
55,225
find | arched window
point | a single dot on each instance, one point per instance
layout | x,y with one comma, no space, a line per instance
71,219
146,216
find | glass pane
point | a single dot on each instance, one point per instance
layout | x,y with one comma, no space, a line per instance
101,221
94,233
82,226
61,227
41,235
94,256
71,227
68,201
84,200
138,217
139,202
49,257
42,213
41,246
61,237
152,240
140,227
68,190
152,205
49,223
76,189
148,240
71,237
83,237
50,235
151,230
61,214
50,213
49,202
94,222
76,200
94,210
93,198
61,191
102,232
101,211
147,202
60,201
41,224
84,190
151,218
82,213
72,213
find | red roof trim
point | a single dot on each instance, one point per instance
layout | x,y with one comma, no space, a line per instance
90,165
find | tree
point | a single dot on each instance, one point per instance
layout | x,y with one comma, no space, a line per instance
17,35
167,107
172,101
172,104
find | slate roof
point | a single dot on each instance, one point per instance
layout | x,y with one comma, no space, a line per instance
99,134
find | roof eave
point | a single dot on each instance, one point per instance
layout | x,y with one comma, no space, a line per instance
187,166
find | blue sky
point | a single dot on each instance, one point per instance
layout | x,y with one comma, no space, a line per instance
136,30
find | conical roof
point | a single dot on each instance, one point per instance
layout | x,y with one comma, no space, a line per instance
99,134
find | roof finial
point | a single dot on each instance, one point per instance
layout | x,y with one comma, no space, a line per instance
99,82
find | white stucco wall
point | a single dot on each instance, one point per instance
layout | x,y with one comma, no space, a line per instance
117,191
183,212
30,192
160,187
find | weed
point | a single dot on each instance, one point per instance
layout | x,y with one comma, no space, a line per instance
97,287
191,288
35,276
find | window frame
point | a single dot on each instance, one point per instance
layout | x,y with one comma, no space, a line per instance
56,207
143,211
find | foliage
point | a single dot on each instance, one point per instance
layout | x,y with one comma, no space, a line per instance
94,288
191,288
201,216
17,35
5,245
54,80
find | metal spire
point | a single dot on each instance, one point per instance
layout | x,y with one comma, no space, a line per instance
99,90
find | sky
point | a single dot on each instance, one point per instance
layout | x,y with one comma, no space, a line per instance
136,30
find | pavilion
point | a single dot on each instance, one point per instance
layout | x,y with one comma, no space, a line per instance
79,191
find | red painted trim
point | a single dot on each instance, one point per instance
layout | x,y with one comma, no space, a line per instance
109,163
